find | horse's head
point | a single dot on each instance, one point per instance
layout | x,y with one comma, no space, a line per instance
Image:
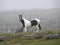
20,17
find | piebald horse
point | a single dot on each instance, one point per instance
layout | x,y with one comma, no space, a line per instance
26,23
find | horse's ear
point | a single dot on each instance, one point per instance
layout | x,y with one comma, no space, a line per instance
20,17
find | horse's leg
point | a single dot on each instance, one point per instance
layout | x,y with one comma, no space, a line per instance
38,27
24,29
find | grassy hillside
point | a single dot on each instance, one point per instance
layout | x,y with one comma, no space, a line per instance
24,41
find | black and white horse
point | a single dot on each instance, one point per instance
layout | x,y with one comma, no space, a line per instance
26,23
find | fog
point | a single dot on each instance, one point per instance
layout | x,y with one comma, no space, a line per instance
6,5
48,11
50,19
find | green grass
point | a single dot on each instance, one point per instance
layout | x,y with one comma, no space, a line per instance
31,42
23,41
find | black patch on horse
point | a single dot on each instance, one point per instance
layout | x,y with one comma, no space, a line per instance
22,21
34,22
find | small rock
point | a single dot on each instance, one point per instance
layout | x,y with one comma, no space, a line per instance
3,38
52,36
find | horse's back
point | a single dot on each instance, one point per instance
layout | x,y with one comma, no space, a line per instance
38,20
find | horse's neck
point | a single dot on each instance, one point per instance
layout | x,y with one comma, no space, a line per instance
27,22
25,19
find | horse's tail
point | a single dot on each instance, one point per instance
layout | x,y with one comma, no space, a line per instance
39,27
